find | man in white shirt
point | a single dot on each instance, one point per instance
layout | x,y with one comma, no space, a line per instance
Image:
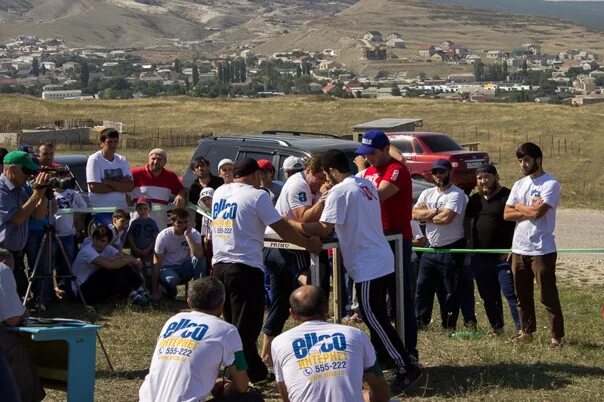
532,204
299,201
321,361
241,211
12,347
108,176
178,255
443,209
352,208
191,350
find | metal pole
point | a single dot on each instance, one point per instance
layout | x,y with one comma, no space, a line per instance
337,285
400,286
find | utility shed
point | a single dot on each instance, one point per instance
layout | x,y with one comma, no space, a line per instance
389,125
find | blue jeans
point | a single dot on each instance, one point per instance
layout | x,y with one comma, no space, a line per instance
439,270
467,301
170,276
493,277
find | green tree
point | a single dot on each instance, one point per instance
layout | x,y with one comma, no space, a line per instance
35,67
395,90
195,75
479,70
177,66
84,75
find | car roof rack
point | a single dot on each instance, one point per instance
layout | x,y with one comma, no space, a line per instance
299,133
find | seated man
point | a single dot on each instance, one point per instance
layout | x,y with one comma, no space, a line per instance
321,361
102,271
21,367
192,348
178,255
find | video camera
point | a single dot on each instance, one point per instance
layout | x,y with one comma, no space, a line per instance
58,179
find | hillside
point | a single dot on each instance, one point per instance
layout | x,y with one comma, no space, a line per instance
421,22
140,23
587,13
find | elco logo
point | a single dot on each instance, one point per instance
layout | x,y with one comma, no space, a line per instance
196,334
302,346
229,208
367,193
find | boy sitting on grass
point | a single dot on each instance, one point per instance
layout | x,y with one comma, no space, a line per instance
141,235
102,271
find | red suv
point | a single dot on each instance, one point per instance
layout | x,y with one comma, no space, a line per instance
420,149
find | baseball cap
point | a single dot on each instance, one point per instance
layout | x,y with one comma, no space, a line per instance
265,164
206,192
225,162
487,168
143,201
27,148
244,167
293,163
372,140
21,158
441,164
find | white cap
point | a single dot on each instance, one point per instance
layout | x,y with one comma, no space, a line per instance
206,192
293,163
225,162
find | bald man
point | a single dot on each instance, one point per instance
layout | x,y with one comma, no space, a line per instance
156,183
321,361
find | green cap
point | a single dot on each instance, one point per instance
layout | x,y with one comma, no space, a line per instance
20,158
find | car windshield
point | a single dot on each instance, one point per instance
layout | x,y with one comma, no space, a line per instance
441,143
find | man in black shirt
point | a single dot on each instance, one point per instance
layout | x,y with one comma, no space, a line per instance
200,166
490,231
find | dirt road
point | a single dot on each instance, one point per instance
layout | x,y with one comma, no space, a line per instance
580,228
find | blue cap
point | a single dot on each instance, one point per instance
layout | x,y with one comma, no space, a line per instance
441,164
372,140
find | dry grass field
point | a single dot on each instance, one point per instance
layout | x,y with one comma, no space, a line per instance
571,138
475,370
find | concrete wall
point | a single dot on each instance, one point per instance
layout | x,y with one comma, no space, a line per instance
33,137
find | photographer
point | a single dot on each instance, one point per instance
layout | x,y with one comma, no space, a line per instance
16,207
46,155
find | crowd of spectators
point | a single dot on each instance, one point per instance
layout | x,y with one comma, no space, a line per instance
221,249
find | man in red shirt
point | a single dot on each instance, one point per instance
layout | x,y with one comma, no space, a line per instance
393,181
156,183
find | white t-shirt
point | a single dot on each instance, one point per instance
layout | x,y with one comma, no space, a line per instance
535,236
321,361
10,303
454,199
99,168
241,214
353,207
67,199
174,248
295,193
187,358
83,266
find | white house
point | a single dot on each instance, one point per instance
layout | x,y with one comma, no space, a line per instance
397,43
374,36
495,54
59,95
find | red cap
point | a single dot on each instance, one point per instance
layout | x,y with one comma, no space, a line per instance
265,164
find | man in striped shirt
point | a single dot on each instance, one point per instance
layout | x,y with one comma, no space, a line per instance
156,183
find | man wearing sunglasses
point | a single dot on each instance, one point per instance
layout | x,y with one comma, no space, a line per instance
16,207
442,208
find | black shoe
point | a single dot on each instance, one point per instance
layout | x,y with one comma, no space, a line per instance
471,325
270,377
406,378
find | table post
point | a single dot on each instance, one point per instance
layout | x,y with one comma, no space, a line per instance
315,272
337,286
400,286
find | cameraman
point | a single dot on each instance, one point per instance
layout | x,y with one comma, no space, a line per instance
46,156
16,207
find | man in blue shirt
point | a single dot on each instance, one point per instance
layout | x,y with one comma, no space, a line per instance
16,207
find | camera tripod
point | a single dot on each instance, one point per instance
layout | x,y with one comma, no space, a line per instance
48,240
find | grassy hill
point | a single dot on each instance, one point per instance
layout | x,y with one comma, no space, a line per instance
587,13
422,22
570,137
